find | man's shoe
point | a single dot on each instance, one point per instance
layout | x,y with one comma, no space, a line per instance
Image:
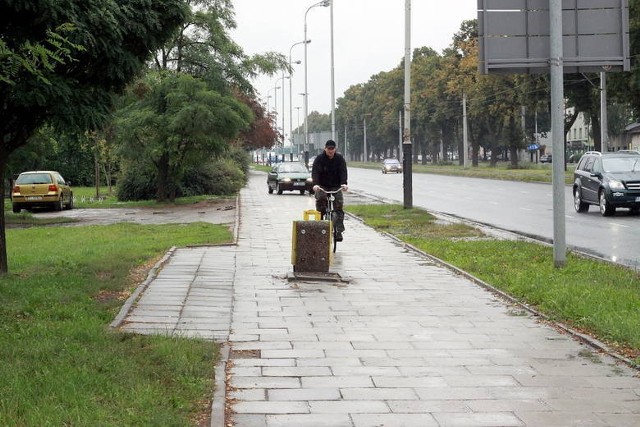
338,237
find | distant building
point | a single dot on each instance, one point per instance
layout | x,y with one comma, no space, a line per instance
579,137
630,139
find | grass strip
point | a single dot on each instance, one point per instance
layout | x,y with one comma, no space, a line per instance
59,362
598,298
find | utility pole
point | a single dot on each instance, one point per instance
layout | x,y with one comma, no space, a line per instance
465,139
406,134
604,133
557,130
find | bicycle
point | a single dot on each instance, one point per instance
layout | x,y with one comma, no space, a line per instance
331,215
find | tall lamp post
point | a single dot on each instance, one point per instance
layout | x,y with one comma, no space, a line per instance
282,78
291,90
275,102
298,128
333,86
275,97
323,3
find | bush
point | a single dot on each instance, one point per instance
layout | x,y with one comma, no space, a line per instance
224,176
241,157
136,183
219,177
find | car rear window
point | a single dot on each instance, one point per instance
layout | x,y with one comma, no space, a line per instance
34,178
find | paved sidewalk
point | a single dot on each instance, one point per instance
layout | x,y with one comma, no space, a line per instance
404,343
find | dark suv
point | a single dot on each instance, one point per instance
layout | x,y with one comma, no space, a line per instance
609,180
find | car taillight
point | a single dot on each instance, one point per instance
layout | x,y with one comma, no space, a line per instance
53,188
16,189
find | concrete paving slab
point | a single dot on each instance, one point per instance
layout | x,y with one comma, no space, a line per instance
404,342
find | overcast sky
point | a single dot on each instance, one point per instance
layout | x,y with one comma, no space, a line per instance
369,37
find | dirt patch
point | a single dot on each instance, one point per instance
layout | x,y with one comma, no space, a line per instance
212,211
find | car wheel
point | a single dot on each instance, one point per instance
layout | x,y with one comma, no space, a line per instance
302,192
70,204
270,189
606,209
58,205
16,208
578,204
278,189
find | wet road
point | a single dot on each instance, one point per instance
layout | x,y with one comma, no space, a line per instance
515,206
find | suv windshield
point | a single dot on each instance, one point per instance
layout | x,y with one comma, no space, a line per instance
620,164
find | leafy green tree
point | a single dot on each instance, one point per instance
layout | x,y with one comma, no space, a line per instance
174,121
70,153
349,116
319,122
203,48
62,61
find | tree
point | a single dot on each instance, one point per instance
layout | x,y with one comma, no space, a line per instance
202,48
87,50
261,132
175,121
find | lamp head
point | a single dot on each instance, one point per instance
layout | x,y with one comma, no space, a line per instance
326,3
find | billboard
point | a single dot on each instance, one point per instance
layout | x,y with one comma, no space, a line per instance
514,36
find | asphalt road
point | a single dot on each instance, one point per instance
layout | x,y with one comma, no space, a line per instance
524,208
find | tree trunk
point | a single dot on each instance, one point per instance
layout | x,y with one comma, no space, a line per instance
163,178
597,136
4,265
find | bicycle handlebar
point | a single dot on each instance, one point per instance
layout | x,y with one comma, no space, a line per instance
330,192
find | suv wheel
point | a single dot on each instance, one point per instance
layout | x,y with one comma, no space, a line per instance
606,209
578,204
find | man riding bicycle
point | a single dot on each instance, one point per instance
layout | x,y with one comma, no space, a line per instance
329,172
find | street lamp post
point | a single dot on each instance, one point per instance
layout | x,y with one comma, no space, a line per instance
323,3
333,90
282,78
298,129
304,145
291,90
275,97
275,102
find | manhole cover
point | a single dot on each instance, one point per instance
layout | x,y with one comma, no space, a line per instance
317,277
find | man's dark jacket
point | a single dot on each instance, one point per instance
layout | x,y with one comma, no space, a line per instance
328,173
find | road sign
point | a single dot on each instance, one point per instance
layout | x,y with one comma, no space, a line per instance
514,36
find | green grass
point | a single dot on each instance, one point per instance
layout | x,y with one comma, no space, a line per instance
85,197
599,298
60,364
